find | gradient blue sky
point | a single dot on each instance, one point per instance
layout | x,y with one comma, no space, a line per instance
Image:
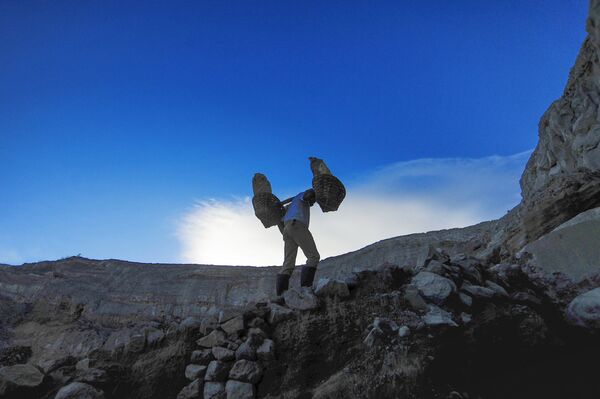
115,117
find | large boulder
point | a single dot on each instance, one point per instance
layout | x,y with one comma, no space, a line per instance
573,248
214,390
215,338
433,287
19,378
438,317
246,371
79,390
301,298
584,310
239,390
217,371
329,287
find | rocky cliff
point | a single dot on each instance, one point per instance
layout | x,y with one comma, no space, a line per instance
505,308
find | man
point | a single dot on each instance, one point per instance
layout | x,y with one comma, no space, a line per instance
294,227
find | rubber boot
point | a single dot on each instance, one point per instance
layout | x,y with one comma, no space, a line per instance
307,275
282,283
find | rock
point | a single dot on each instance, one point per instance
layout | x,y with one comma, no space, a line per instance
19,377
435,266
227,314
246,371
351,280
137,342
215,338
92,376
571,248
388,326
411,294
239,390
154,337
465,299
278,313
83,364
194,390
301,298
526,298
217,371
234,326
202,357
214,390
190,323
50,365
79,390
223,354
329,288
437,316
374,338
465,318
403,332
195,371
245,351
433,287
498,289
266,351
478,291
258,322
584,310
256,336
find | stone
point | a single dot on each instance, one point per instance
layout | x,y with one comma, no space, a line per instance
278,313
416,301
498,289
223,354
266,351
195,371
386,325
217,371
331,288
234,325
526,298
437,316
194,390
435,266
584,310
374,338
246,371
465,299
214,390
19,377
92,376
465,318
215,338
245,351
433,287
79,390
190,323
202,357
227,314
478,291
403,332
258,322
239,390
301,298
352,280
571,248
83,364
154,337
137,342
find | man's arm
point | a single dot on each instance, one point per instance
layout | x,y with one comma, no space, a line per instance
287,201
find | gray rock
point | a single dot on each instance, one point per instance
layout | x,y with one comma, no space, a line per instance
214,390
202,357
19,376
498,289
584,310
79,390
437,316
217,371
386,325
83,364
478,291
278,313
435,266
190,323
154,337
195,371
246,371
433,287
239,390
223,354
416,301
526,298
258,322
215,338
194,390
465,299
234,325
403,332
266,351
301,298
465,318
374,338
245,351
329,288
137,342
92,376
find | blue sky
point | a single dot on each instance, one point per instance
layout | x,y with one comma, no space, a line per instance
119,120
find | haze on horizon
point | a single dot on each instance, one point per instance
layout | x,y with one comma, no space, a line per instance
132,130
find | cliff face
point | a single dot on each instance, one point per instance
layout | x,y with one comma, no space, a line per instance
562,177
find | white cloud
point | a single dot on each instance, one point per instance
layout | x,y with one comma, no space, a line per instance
403,198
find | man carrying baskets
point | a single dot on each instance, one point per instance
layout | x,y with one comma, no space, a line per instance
294,228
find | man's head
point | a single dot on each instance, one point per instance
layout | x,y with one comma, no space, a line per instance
310,196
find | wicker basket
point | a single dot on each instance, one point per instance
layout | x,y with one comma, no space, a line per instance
330,192
267,208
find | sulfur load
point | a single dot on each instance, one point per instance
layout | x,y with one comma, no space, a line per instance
267,207
329,189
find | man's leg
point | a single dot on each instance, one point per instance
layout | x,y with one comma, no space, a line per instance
290,251
305,240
